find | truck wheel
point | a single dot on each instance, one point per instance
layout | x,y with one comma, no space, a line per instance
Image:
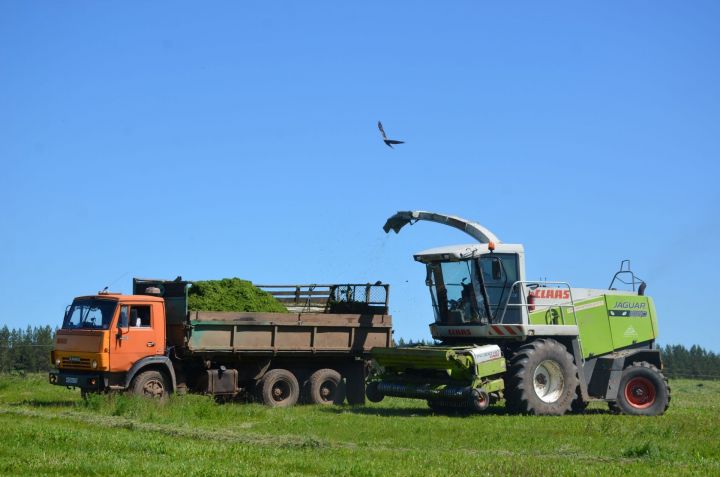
279,388
643,391
325,387
150,384
541,380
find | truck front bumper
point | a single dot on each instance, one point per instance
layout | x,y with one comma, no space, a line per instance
88,382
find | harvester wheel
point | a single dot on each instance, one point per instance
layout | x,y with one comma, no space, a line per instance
479,400
278,388
373,393
150,384
643,391
541,379
325,386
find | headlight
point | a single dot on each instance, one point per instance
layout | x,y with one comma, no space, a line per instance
57,362
94,364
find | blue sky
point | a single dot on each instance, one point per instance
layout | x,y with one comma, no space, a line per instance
238,139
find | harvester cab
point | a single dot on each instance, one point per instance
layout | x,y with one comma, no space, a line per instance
546,347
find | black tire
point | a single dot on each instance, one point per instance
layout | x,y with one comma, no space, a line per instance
479,400
278,388
541,379
372,392
151,384
325,387
643,391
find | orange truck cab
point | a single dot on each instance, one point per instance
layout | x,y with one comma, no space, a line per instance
108,340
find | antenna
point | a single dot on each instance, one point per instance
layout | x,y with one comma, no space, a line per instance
114,282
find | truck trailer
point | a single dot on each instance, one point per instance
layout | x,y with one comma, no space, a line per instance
547,348
149,343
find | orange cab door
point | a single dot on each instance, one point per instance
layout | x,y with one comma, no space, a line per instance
136,336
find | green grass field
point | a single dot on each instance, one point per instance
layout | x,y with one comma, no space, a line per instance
50,430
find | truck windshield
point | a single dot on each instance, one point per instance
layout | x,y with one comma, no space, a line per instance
90,314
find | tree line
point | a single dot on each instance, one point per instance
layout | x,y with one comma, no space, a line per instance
696,362
28,350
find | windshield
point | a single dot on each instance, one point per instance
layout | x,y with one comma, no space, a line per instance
90,314
457,293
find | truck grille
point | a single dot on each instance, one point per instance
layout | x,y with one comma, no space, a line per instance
75,362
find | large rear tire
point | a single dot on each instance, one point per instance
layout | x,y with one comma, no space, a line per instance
325,387
278,388
541,379
643,391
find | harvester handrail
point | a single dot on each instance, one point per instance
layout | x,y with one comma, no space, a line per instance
561,304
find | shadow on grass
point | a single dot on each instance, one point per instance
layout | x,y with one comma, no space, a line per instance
420,411
412,412
44,404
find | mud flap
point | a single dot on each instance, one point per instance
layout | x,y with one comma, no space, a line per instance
355,382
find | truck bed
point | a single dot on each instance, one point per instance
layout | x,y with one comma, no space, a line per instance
288,333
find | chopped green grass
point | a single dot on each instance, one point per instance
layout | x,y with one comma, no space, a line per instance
49,430
231,294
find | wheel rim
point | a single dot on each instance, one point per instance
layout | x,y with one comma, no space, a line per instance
327,391
280,391
153,388
548,381
482,400
640,393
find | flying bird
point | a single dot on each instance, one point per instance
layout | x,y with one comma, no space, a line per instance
387,141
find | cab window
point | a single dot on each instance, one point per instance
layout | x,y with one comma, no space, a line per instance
140,316
500,271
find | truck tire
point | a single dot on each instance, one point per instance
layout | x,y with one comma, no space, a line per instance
541,379
150,384
643,391
278,388
325,386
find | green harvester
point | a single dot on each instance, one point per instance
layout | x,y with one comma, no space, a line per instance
545,347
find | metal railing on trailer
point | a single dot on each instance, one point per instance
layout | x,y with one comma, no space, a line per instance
372,298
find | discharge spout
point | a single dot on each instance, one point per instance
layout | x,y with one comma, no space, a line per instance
475,230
